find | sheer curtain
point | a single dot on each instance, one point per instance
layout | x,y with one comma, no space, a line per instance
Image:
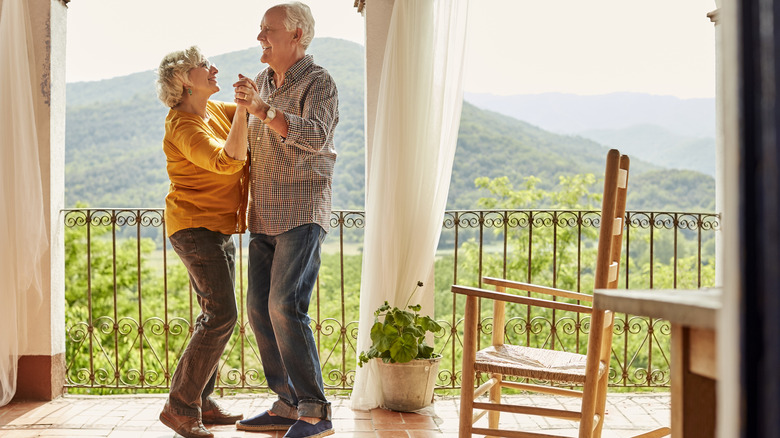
22,225
418,115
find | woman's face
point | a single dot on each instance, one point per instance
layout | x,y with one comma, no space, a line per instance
204,78
279,44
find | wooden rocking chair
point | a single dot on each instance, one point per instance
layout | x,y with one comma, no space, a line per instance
590,371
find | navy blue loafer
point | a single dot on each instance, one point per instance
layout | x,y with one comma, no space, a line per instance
265,421
304,429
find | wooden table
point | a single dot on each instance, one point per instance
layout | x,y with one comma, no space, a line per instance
693,316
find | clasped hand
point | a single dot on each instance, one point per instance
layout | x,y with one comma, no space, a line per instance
246,93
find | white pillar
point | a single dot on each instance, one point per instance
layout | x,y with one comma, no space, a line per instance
728,257
41,373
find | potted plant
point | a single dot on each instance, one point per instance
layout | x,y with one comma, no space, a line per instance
407,364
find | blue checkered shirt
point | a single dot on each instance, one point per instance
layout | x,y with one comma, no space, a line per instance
291,178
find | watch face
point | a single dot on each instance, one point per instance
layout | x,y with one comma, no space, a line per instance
270,114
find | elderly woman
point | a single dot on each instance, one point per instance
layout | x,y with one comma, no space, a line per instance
205,147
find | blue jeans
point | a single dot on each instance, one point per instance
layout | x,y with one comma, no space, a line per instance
209,257
282,273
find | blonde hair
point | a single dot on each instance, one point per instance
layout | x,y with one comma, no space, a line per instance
298,15
173,74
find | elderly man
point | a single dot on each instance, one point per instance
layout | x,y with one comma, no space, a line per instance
294,108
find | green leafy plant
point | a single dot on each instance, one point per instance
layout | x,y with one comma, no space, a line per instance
400,336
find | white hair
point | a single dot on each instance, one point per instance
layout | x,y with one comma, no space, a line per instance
173,74
298,15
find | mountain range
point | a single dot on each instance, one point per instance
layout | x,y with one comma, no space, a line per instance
114,130
666,131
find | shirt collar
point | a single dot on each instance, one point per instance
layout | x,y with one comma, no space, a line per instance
297,69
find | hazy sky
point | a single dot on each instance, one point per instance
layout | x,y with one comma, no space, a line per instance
664,47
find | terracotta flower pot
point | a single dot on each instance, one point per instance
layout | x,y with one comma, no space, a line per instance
407,387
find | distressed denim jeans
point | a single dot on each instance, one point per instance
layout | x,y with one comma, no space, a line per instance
209,257
282,273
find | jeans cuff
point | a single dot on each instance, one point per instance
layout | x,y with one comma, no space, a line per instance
314,408
284,409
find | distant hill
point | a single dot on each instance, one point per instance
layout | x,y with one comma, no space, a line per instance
114,155
494,145
660,146
662,130
571,113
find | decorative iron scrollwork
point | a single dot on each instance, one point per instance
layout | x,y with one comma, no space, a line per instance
138,349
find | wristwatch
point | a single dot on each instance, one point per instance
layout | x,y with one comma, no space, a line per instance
270,114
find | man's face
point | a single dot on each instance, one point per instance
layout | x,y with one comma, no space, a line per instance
277,42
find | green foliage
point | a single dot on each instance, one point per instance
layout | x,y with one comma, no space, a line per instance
400,336
563,256
119,301
573,193
672,190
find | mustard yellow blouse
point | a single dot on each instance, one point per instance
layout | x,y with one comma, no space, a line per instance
208,188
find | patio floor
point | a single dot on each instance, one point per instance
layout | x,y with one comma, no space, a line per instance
135,416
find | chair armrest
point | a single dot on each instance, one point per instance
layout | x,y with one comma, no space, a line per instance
500,282
502,296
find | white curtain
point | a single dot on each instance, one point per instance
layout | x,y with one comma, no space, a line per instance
23,235
408,176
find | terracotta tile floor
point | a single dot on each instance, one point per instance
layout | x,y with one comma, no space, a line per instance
133,416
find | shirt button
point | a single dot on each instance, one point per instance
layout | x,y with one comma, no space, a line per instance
258,138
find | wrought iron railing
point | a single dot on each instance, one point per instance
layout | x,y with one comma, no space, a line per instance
130,309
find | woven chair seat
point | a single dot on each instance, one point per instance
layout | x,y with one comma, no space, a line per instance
534,363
